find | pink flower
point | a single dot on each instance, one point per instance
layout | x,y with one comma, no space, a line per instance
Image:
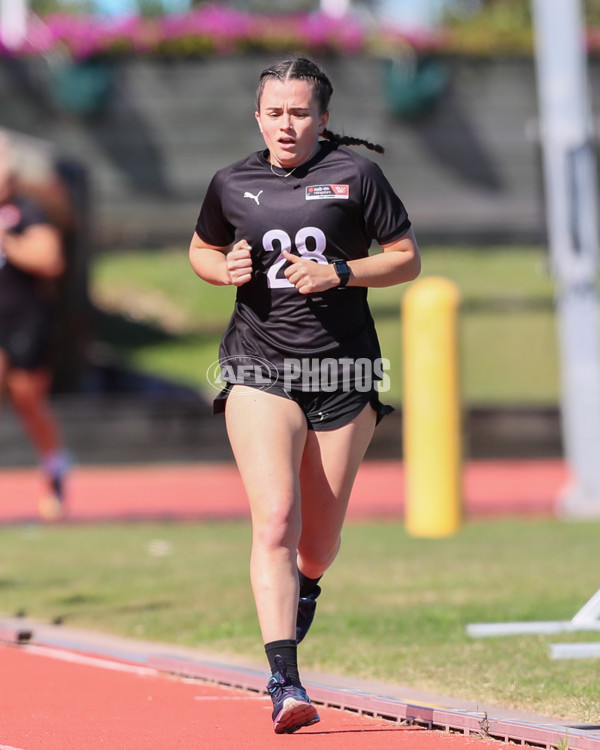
209,29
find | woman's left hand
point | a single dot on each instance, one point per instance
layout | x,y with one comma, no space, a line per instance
308,276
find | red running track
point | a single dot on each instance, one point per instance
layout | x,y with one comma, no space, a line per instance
214,491
52,699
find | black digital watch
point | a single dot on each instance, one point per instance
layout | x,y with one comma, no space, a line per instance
343,271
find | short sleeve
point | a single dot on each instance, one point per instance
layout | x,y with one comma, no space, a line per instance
212,225
386,217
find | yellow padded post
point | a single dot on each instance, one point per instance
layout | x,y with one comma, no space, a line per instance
432,408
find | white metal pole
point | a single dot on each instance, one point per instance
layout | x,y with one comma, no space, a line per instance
572,222
13,22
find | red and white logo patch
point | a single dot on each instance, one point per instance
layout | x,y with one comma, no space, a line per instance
323,192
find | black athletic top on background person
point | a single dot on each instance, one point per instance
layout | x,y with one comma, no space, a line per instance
19,290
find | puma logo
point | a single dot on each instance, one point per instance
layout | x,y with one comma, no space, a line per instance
254,197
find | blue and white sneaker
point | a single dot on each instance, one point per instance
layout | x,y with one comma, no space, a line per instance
52,505
306,613
292,708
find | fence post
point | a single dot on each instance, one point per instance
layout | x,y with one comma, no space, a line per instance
432,408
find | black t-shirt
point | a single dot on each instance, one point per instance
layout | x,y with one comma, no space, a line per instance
19,290
330,208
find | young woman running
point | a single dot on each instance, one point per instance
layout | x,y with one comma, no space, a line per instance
30,254
291,227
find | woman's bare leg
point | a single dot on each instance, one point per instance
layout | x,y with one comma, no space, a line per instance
267,435
29,392
330,463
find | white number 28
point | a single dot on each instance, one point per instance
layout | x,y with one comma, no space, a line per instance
277,240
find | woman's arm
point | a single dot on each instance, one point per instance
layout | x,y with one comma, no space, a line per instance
221,265
400,261
37,251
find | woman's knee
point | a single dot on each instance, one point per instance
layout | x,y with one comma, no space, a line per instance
279,529
26,393
23,399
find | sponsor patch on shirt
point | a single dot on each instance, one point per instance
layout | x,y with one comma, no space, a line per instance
322,192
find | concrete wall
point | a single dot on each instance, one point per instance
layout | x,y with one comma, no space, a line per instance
467,168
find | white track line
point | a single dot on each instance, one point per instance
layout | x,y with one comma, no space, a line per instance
228,698
92,661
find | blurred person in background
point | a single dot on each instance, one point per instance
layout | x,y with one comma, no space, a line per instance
31,258
291,227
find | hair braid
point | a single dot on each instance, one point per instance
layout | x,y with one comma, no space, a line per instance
301,68
348,140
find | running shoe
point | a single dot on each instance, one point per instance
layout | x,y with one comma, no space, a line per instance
306,613
292,708
52,506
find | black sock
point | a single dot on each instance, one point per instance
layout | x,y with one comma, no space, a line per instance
288,650
308,585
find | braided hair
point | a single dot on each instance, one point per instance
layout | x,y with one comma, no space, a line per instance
303,69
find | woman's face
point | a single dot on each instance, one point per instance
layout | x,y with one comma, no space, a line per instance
290,122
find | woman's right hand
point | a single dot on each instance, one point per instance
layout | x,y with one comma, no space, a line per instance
239,263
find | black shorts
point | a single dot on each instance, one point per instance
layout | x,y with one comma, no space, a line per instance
25,340
323,411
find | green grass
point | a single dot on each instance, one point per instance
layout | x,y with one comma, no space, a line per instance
507,323
393,607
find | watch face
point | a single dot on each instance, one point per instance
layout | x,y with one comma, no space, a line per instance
343,271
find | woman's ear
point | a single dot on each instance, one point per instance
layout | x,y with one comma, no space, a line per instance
323,120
